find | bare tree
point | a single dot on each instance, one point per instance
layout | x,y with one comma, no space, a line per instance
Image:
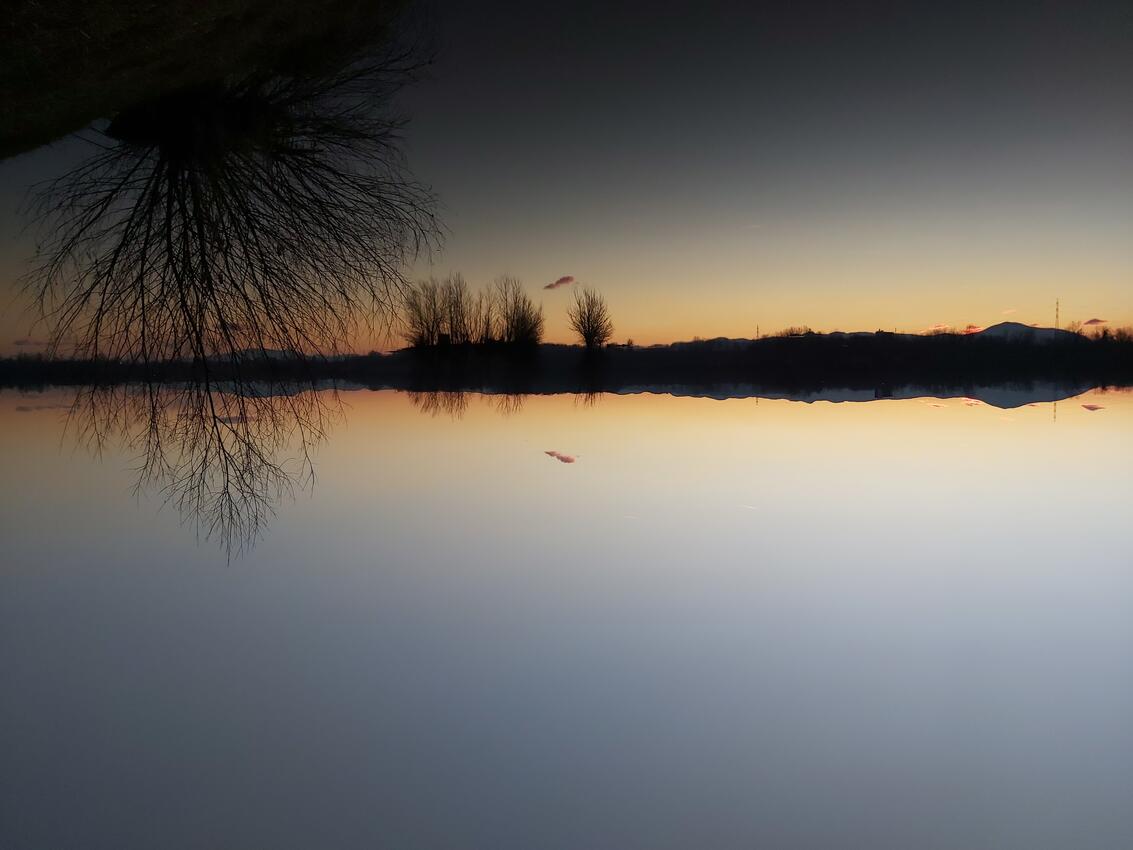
272,213
458,309
485,317
423,312
435,311
590,318
521,322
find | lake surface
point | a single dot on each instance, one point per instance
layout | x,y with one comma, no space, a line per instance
702,624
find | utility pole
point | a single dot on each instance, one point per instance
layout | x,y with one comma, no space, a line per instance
1056,324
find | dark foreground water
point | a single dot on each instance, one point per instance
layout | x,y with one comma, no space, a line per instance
721,624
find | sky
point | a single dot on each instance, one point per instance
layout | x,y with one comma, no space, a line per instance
718,170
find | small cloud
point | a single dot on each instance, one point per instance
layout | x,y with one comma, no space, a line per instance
1010,311
936,404
749,507
560,457
1093,407
1094,322
30,343
972,329
753,226
972,402
938,329
565,280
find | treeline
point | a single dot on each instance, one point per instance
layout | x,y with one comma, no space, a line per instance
806,361
447,312
440,313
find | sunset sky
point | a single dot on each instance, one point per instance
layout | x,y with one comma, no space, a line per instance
713,170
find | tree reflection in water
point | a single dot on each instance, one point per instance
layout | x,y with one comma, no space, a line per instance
454,403
217,230
224,456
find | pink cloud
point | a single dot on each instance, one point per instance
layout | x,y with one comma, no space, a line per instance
565,280
1094,322
1093,407
560,457
932,329
972,402
972,329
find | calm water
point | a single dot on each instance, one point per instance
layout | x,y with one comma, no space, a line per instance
725,624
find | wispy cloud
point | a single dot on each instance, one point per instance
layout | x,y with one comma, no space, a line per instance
938,329
972,402
560,457
1093,407
1010,311
565,280
1094,322
972,329
33,343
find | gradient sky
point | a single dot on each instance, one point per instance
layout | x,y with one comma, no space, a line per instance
713,169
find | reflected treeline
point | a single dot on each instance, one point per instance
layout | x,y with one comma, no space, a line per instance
588,399
454,403
224,456
451,403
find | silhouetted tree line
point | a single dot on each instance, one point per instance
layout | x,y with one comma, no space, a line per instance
808,361
446,312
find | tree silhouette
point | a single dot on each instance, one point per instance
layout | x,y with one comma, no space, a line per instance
520,321
271,213
590,318
436,311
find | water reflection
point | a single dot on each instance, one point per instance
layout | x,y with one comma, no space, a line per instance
778,624
223,456
452,403
226,455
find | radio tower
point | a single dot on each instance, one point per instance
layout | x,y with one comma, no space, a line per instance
1056,325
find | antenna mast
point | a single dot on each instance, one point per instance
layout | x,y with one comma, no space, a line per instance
1056,324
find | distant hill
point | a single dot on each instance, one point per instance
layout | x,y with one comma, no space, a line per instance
1017,332
1004,332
